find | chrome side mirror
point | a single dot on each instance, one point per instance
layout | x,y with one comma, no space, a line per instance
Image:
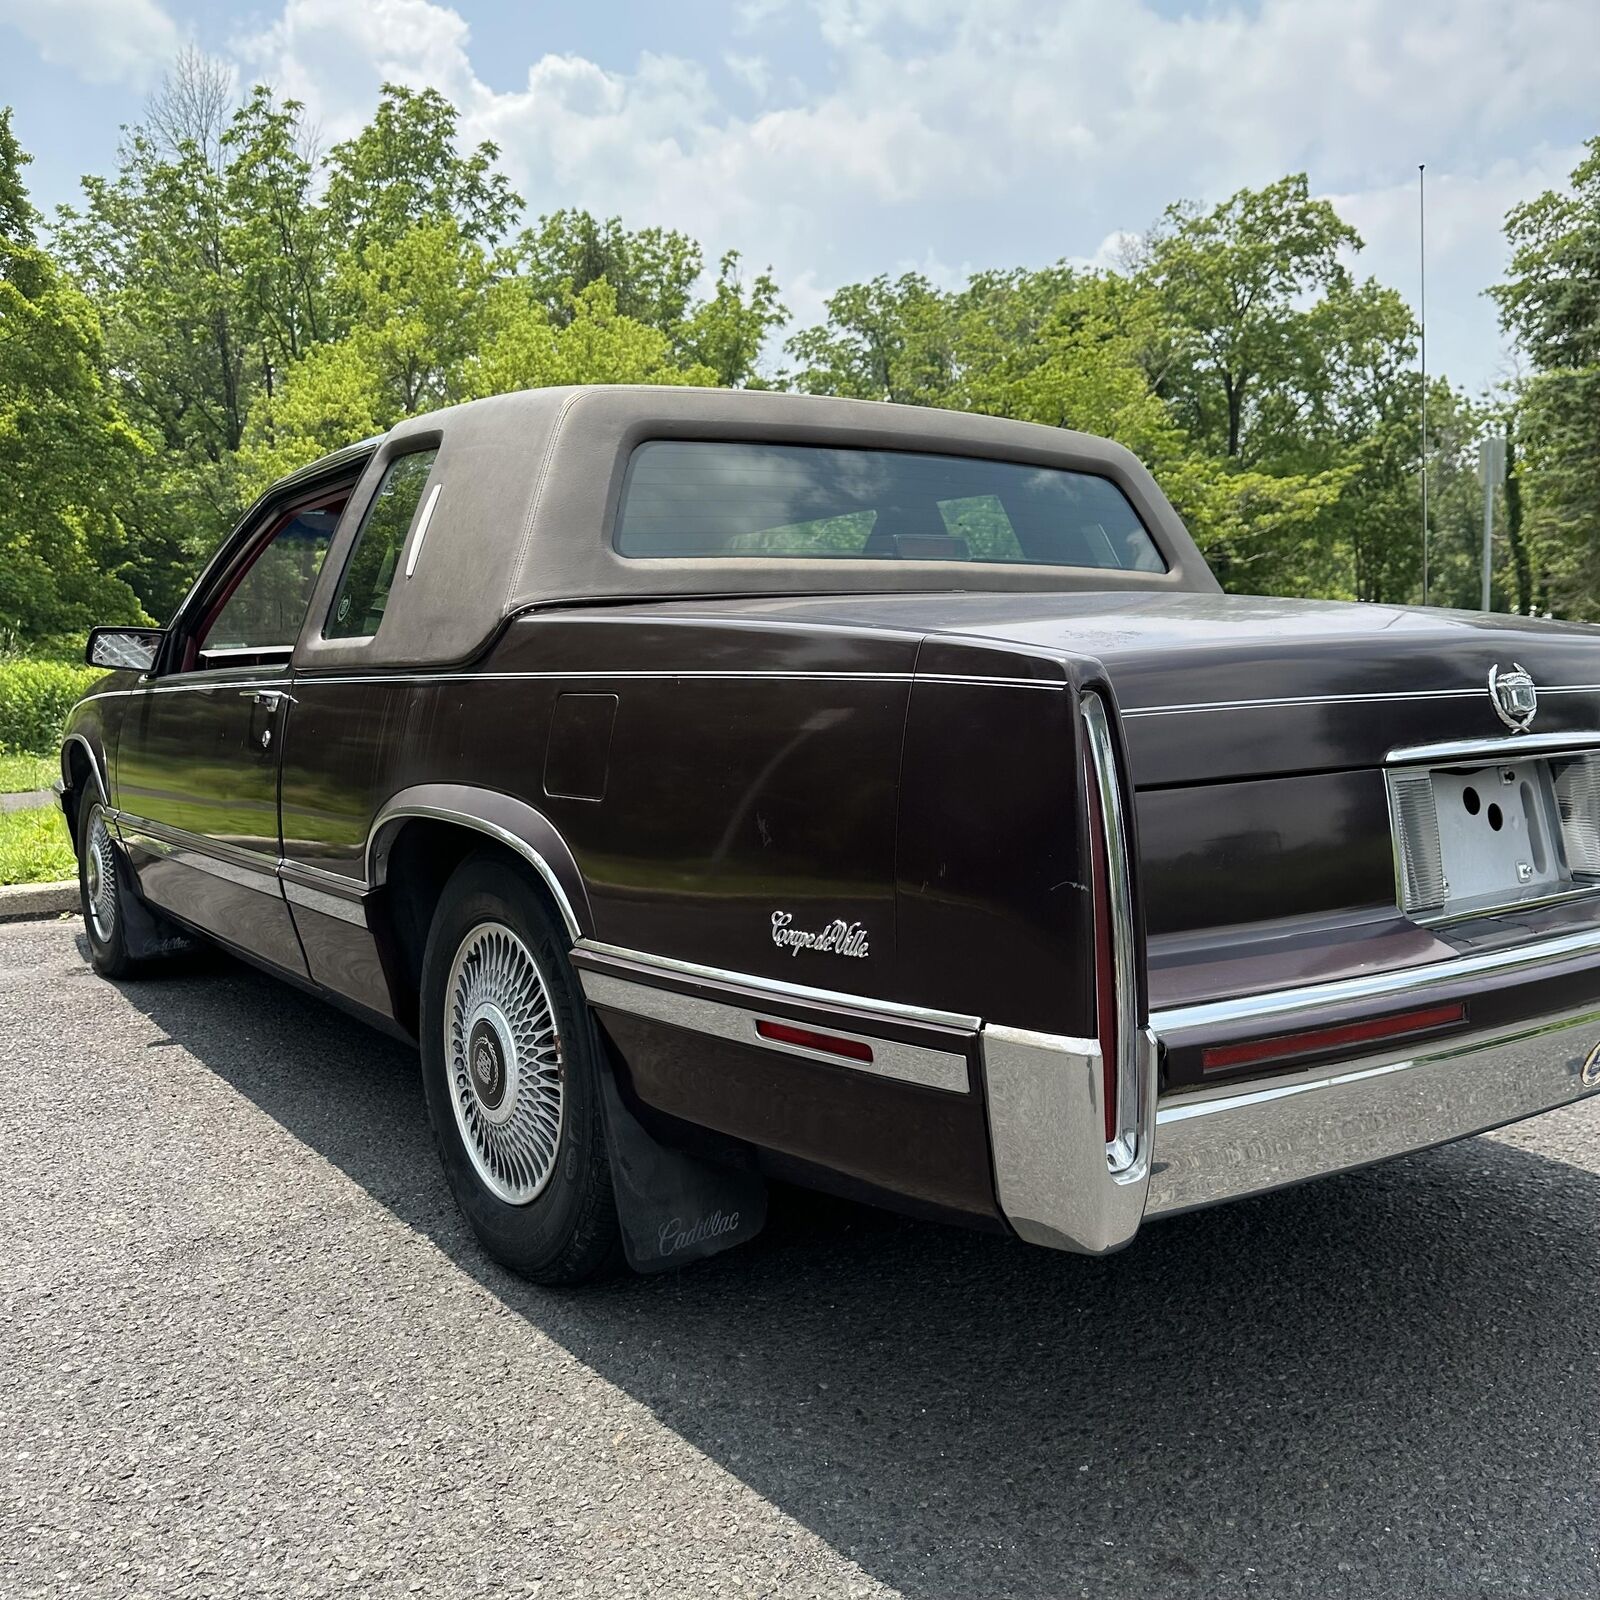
124,649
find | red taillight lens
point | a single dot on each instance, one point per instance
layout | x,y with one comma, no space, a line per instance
1314,1041
1105,971
808,1039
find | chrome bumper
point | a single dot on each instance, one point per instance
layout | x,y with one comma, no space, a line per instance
1224,1142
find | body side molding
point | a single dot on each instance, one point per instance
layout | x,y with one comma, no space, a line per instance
502,817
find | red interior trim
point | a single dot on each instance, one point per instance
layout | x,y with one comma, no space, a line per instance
809,1039
1316,1040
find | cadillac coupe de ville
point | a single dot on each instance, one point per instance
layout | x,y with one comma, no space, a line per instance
729,787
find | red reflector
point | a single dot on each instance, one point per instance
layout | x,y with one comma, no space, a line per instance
808,1039
1315,1040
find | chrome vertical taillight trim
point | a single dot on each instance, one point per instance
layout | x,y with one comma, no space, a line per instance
1125,1152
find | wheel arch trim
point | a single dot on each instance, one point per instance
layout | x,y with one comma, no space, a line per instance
94,764
509,821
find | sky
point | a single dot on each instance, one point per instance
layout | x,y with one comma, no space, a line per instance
836,139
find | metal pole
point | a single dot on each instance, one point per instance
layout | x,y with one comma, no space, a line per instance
1492,465
1422,319
1487,454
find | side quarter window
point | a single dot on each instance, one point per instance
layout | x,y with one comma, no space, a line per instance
369,573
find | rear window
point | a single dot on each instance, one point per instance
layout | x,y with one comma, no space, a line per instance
697,500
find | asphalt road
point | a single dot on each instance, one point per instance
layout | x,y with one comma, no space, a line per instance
247,1347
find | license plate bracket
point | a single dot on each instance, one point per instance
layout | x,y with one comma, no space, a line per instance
1478,837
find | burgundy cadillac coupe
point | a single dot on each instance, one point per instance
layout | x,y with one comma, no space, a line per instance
724,787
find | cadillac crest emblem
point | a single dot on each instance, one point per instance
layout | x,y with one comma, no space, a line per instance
1514,696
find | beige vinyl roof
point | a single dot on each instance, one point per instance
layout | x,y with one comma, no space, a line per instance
529,485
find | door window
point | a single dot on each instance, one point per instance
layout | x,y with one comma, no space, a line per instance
364,591
268,603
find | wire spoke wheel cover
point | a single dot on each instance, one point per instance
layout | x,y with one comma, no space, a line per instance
100,878
503,1061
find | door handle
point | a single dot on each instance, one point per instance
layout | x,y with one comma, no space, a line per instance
271,699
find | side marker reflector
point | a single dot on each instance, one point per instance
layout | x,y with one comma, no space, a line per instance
1372,1030
810,1039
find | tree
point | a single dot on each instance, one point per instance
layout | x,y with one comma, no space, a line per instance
432,324
652,275
66,453
1233,279
1551,303
403,168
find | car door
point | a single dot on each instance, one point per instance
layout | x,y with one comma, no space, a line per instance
198,754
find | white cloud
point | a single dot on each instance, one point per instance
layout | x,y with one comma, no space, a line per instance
102,41
999,131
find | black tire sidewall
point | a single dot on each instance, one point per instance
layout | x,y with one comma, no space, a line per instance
567,1231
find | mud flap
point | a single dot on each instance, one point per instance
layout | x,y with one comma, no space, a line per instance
674,1208
147,934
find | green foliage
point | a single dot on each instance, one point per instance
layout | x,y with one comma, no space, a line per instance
404,168
230,304
35,697
34,847
20,774
1551,302
1271,396
67,454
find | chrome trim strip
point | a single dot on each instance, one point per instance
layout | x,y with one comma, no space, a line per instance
670,675
224,651
393,813
422,530
230,864
1340,699
1517,744
94,766
1124,1153
339,882
328,905
1220,1144
313,680
905,1063
669,967
1403,981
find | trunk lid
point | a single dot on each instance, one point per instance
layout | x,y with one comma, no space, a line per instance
1217,687
1223,687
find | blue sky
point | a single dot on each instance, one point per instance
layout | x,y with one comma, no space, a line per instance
834,139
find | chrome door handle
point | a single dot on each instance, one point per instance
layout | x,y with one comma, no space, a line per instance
265,697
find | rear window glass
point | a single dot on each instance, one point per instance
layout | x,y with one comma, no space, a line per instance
364,591
698,500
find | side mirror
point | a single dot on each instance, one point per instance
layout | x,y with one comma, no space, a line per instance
121,649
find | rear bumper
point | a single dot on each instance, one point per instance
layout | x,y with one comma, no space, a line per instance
1226,1141
1220,1143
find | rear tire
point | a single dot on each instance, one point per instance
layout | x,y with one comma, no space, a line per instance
103,895
510,1064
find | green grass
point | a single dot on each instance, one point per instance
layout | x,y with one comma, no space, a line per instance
20,773
34,847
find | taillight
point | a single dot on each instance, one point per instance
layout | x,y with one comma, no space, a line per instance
1116,975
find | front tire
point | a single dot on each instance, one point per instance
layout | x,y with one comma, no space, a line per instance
102,895
510,1064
